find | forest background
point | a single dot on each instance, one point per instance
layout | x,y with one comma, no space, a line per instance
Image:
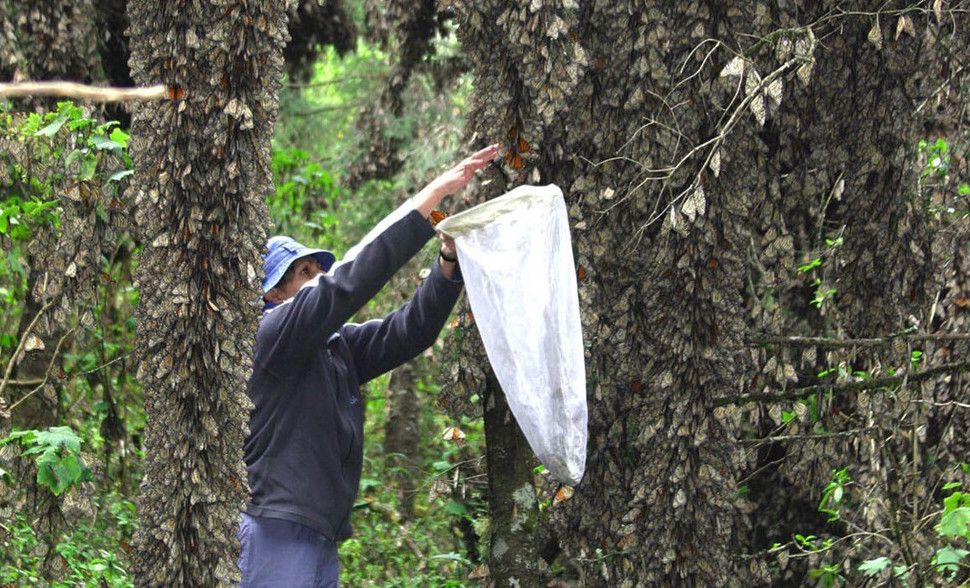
769,206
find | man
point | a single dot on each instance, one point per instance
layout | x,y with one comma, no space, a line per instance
305,449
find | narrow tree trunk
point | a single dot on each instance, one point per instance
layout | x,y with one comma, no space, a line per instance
402,436
512,508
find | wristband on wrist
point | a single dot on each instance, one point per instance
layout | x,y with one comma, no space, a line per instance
442,255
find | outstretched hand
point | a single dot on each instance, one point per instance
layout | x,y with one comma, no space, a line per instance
453,180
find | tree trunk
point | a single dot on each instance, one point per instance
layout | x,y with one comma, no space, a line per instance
402,436
202,162
703,148
512,508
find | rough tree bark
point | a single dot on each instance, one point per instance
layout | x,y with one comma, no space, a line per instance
703,148
203,167
513,510
402,435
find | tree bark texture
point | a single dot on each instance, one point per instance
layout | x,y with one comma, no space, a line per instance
48,39
513,511
704,148
402,435
202,163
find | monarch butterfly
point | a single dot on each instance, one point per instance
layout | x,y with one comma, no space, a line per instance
563,494
176,92
479,573
457,320
453,434
523,145
436,217
961,302
581,273
34,343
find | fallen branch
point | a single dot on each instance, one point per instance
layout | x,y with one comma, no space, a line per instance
82,92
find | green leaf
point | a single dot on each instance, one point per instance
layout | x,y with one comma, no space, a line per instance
874,566
120,137
954,523
58,437
952,485
51,129
366,483
47,472
25,437
948,559
102,143
124,173
953,501
456,508
88,167
451,556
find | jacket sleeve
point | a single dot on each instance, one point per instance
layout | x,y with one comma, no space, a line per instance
378,346
317,312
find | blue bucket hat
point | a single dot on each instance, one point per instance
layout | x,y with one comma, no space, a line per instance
281,252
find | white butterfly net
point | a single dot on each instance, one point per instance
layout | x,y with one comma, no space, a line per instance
517,262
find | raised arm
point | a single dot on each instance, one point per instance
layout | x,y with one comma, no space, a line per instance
452,180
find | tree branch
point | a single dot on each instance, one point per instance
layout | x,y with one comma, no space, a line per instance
20,346
866,342
83,92
47,372
875,383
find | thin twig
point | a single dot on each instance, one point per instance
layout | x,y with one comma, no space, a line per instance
325,109
82,91
806,437
331,82
47,372
20,346
826,342
24,383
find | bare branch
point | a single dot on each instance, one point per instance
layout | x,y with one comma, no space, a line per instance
826,342
47,372
806,437
20,346
873,384
83,92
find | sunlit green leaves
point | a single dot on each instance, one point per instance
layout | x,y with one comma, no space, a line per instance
873,566
58,459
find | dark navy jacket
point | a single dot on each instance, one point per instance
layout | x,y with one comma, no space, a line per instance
305,448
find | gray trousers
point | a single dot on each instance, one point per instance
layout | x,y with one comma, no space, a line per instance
284,554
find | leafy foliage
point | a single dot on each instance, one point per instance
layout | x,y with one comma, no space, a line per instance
58,456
